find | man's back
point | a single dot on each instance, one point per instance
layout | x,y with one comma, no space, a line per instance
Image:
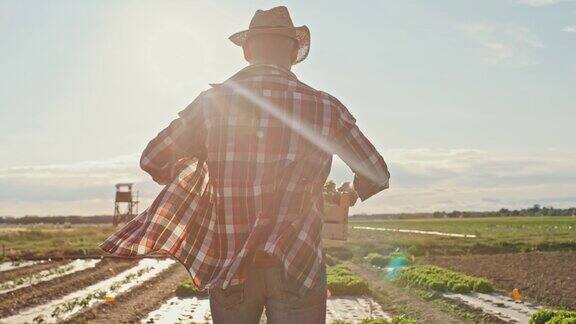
268,141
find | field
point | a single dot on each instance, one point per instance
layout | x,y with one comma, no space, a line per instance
493,235
56,273
33,241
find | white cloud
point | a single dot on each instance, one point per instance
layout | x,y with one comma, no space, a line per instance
569,29
504,44
422,180
75,188
430,180
538,3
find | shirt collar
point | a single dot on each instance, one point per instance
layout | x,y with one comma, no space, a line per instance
260,69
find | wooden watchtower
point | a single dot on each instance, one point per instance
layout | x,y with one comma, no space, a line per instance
125,205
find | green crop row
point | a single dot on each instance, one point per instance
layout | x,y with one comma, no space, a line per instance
551,316
440,279
35,277
396,320
342,281
187,288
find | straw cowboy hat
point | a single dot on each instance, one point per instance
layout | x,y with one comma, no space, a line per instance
276,21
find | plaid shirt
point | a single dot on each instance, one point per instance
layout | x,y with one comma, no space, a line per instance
244,167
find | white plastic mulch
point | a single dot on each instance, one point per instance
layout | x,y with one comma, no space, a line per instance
353,309
49,274
10,265
181,310
414,231
45,311
502,307
197,310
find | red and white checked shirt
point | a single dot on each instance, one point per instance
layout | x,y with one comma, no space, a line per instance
244,167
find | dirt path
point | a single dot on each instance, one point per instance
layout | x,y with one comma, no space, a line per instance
14,301
20,272
135,304
421,310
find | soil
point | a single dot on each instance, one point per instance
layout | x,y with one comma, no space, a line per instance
14,301
136,303
547,278
24,271
422,311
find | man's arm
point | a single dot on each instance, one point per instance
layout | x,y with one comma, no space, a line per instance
183,138
370,171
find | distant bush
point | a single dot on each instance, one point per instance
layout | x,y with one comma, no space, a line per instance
340,252
377,259
394,259
551,316
187,289
342,281
439,279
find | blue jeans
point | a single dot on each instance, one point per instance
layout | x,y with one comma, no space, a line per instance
266,287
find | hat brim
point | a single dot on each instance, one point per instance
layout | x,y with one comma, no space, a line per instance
300,34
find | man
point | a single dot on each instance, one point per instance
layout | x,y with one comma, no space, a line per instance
244,165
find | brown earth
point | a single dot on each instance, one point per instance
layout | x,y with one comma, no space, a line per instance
14,301
137,303
24,271
547,278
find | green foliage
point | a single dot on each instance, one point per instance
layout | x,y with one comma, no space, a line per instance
552,316
561,320
375,321
482,285
53,240
99,295
461,288
396,320
402,319
439,279
341,252
437,285
394,259
187,289
377,259
331,194
342,281
35,277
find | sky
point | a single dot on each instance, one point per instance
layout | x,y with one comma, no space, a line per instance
471,103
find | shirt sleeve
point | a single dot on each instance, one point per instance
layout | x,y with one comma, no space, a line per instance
370,171
183,138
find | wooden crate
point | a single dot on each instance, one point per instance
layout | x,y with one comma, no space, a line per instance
336,219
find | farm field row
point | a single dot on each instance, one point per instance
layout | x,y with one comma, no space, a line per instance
506,251
547,278
141,291
483,236
493,235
